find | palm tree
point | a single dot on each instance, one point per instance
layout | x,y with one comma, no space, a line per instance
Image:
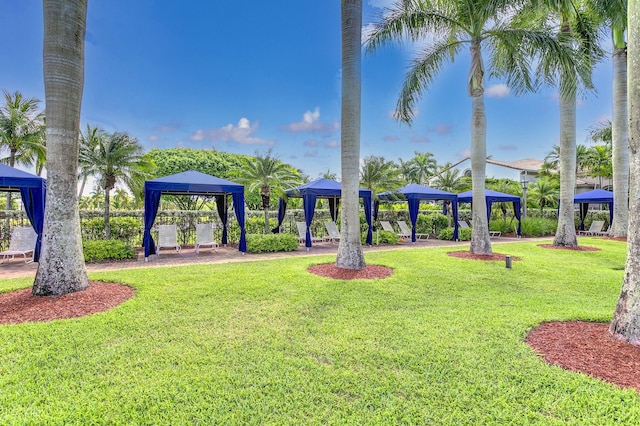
544,192
614,13
350,254
378,174
476,24
21,131
626,318
450,180
89,142
420,168
598,162
61,269
577,31
116,157
267,174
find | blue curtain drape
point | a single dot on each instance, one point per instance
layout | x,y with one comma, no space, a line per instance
223,210
516,211
454,209
414,205
367,215
33,202
151,204
282,208
238,207
309,201
584,209
610,213
376,208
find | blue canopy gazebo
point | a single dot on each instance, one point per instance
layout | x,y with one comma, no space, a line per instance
495,197
193,183
413,194
32,189
324,189
596,196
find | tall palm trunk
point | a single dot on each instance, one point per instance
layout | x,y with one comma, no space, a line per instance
566,232
626,318
12,163
107,206
62,269
350,254
480,241
620,139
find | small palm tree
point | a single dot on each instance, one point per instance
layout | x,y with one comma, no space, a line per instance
378,174
598,162
267,174
450,180
114,158
21,132
544,192
420,168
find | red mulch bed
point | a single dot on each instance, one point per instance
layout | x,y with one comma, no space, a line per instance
20,306
623,239
492,257
578,248
369,272
588,347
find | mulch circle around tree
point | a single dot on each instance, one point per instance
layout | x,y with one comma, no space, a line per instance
578,248
621,239
370,272
21,306
492,257
588,347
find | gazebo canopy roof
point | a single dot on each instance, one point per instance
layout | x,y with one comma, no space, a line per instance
595,196
415,191
490,195
192,182
12,179
322,188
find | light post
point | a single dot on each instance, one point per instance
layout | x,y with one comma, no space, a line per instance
525,183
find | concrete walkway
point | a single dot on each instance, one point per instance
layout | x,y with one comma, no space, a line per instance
17,268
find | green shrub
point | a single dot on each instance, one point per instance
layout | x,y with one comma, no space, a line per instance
538,227
101,250
431,223
260,243
464,234
381,237
122,228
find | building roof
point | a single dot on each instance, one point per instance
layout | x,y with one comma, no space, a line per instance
524,165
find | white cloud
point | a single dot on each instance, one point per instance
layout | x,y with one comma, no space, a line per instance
332,144
311,154
242,133
311,123
153,138
311,143
498,91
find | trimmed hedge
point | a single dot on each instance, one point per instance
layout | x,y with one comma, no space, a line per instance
260,243
381,237
101,250
464,234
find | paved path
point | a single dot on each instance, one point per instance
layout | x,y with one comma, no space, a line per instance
17,268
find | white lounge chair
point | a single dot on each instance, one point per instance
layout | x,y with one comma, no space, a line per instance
302,233
404,228
332,230
167,238
204,237
23,241
595,229
386,226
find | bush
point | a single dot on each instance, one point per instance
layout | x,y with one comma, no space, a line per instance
122,228
538,227
431,223
101,250
260,243
464,234
381,237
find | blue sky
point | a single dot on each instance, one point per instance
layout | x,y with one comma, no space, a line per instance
245,75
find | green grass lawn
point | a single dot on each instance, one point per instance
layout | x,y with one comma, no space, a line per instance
439,342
